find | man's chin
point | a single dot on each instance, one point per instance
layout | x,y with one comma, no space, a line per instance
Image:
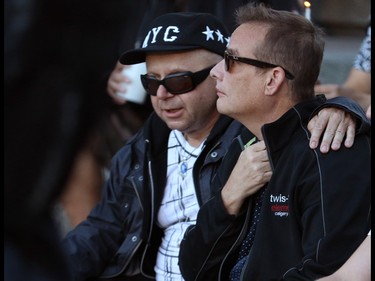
175,125
220,105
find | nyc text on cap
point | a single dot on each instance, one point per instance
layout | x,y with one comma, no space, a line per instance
178,32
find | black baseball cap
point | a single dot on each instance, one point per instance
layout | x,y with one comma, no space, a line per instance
178,32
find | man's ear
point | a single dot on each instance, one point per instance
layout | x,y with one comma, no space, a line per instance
275,78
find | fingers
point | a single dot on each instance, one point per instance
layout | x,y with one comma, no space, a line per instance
251,165
332,137
255,153
350,131
115,83
335,125
341,125
368,112
250,173
255,164
316,127
113,88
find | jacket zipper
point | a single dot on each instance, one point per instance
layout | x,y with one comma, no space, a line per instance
241,235
152,211
136,192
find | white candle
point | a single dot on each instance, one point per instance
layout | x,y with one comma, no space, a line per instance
308,13
307,10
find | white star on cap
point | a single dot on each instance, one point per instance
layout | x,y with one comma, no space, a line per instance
227,39
209,33
219,36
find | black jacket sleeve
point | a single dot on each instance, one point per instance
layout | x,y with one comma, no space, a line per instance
215,233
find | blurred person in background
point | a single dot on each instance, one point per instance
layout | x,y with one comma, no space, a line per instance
358,83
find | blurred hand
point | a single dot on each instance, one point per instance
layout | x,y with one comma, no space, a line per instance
334,124
329,90
368,112
116,83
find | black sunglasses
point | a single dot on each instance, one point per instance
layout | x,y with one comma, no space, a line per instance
228,59
176,83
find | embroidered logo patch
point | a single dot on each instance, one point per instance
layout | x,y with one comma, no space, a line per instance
171,33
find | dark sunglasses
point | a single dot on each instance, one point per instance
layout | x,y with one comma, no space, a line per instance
176,83
229,59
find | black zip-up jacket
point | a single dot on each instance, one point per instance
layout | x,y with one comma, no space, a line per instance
315,212
120,238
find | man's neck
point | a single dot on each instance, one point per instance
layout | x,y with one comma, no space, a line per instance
197,136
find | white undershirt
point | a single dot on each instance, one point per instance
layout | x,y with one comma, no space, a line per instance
179,206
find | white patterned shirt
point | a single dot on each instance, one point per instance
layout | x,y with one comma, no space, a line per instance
363,59
179,207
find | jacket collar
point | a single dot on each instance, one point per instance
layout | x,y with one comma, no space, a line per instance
278,134
157,131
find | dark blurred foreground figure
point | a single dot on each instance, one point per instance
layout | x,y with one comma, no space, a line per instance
54,95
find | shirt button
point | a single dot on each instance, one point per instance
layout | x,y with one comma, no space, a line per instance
214,154
134,238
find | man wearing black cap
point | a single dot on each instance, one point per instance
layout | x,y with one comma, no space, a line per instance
161,177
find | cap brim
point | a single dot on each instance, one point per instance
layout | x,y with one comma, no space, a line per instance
139,55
